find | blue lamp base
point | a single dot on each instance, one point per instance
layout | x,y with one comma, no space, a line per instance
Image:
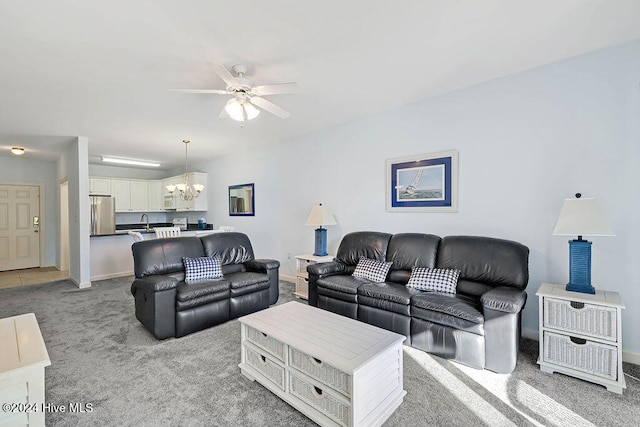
321,242
580,267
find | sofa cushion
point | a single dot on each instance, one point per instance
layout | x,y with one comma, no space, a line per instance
408,250
434,279
231,247
368,244
376,271
453,310
188,291
201,268
495,262
387,296
247,278
163,256
343,284
459,306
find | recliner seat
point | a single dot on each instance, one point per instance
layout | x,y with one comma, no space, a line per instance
167,306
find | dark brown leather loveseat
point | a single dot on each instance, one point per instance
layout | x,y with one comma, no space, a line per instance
479,325
168,306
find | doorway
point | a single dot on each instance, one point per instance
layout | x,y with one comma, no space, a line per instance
19,226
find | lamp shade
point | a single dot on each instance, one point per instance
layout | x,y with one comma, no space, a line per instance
581,217
320,215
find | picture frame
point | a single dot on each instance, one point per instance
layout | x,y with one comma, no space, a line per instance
423,183
242,200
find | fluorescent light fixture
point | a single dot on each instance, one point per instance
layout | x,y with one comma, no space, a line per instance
130,162
18,151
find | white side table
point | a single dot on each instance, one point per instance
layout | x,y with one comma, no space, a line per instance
581,335
22,362
302,277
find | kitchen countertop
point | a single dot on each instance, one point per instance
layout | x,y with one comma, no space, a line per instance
123,229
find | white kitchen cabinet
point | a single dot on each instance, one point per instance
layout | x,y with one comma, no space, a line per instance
131,196
100,186
120,190
139,193
156,196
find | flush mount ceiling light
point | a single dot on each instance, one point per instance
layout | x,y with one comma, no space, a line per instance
130,162
187,190
18,151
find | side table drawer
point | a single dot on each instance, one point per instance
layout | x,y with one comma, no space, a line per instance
320,371
587,319
266,342
302,285
582,355
302,266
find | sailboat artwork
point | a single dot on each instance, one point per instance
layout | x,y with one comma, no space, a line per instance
421,183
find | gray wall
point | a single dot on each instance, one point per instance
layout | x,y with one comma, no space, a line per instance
525,142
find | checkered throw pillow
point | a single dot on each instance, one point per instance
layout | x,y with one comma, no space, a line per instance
434,279
371,269
202,268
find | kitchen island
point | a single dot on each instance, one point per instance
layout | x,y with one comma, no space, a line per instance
111,254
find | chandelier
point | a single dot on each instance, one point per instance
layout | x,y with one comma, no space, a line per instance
187,190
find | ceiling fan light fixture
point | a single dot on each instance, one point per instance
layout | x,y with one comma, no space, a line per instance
241,111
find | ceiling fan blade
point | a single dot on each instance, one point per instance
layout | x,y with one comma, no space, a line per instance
224,74
269,106
218,91
276,89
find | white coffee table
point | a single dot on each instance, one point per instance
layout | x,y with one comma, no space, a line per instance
22,361
335,370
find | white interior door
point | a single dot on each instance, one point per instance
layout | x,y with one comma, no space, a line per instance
19,227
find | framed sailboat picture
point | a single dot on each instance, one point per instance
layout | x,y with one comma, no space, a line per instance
425,183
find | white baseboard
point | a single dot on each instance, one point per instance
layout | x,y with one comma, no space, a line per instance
112,275
286,278
627,356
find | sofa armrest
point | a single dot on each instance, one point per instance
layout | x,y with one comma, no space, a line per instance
324,269
262,265
156,283
319,271
504,299
271,268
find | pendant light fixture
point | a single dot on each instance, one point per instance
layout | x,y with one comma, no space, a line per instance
187,190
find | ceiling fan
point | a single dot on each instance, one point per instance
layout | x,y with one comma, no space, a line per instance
246,97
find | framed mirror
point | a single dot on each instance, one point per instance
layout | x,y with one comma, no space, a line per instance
241,200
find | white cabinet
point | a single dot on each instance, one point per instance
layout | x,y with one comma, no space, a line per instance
156,196
581,335
131,196
139,196
120,190
302,277
100,186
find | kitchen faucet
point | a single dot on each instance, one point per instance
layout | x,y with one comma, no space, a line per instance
142,219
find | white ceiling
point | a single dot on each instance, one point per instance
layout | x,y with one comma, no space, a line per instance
103,69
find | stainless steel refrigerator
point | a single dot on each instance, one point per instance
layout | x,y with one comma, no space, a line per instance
103,215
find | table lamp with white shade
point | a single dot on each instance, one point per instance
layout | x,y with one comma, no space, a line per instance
320,215
581,217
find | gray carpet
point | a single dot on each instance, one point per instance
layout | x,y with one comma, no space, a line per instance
101,355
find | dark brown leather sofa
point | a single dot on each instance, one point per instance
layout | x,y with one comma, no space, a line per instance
169,307
479,325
